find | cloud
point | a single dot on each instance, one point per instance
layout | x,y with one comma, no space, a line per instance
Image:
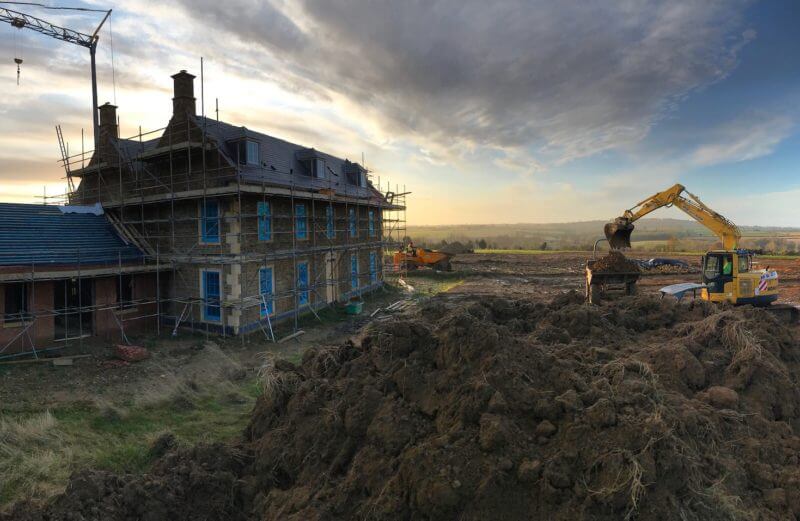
775,207
565,79
744,138
16,170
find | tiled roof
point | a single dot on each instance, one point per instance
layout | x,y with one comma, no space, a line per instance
129,149
39,234
280,164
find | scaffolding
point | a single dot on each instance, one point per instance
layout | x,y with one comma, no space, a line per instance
154,187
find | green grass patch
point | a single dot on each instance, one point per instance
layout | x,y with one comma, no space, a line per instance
444,286
40,449
428,283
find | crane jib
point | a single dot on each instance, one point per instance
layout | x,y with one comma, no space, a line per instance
26,21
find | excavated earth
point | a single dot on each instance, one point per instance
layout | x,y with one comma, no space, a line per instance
491,408
615,262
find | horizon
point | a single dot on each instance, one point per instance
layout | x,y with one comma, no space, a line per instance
592,221
481,130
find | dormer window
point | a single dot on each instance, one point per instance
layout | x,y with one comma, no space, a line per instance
319,168
355,174
248,152
312,162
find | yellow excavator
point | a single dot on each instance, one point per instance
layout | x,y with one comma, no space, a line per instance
728,275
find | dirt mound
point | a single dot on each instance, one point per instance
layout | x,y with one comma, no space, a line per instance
639,409
677,270
200,483
615,262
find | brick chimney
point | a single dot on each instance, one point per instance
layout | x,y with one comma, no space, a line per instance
184,100
108,120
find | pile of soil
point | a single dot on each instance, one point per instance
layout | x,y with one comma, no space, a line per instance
492,408
678,270
615,262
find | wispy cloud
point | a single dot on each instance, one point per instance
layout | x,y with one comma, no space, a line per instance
748,137
482,102
568,79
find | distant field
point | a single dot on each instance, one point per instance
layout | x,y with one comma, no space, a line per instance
662,254
527,252
551,252
657,235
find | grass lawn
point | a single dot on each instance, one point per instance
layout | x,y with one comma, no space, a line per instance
40,449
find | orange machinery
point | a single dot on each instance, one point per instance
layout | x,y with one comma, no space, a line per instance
412,258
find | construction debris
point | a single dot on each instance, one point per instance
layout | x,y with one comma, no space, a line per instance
489,408
296,334
408,287
61,360
131,353
396,307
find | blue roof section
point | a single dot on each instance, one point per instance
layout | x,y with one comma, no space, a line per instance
38,234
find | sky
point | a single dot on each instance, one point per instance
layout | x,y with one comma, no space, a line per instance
487,112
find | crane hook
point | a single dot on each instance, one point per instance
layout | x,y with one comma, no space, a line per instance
18,61
19,23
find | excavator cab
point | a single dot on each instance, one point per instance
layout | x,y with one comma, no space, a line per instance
716,272
730,276
618,232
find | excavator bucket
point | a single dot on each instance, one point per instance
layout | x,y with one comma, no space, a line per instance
618,233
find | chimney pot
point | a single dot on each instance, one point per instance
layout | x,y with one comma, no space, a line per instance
183,101
108,119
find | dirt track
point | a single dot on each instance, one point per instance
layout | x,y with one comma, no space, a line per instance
548,274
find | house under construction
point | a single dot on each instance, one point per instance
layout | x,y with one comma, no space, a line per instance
230,229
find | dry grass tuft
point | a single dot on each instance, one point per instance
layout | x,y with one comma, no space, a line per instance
616,371
275,383
718,501
744,344
628,479
730,330
328,359
33,456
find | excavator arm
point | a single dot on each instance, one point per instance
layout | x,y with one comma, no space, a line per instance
619,231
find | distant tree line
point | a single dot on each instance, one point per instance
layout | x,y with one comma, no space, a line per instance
654,242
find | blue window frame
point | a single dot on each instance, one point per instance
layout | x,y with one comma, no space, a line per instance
209,222
353,223
373,267
300,221
266,286
372,223
354,270
330,230
264,221
302,283
212,307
